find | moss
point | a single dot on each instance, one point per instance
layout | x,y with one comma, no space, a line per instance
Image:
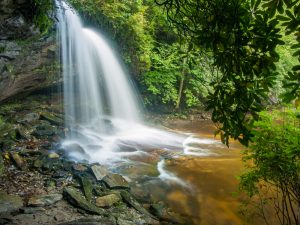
10,107
41,18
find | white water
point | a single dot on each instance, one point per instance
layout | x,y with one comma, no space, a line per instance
102,113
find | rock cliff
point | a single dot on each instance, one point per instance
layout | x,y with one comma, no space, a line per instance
28,59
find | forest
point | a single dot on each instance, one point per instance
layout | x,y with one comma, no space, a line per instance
150,112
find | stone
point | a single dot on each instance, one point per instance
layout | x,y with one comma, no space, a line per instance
9,203
86,187
44,200
115,181
76,151
18,160
44,130
99,172
52,118
166,214
129,199
76,199
91,221
53,155
79,167
98,190
29,118
108,200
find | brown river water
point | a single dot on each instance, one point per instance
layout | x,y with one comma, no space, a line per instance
196,179
213,180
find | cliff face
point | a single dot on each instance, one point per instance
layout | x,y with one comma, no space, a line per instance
28,60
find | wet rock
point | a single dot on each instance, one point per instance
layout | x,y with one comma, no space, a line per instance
129,199
44,200
99,171
32,210
18,160
52,165
166,214
115,181
91,221
44,130
108,200
9,203
122,221
128,216
52,118
53,155
98,190
75,150
79,167
29,118
86,187
76,199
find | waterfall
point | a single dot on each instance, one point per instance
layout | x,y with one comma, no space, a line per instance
102,111
95,85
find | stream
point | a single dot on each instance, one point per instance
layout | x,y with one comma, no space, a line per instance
199,187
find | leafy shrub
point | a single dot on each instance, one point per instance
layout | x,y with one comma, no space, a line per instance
274,164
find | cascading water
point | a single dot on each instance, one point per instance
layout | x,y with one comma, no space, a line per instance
89,68
102,113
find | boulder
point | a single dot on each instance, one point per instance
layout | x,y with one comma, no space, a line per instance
53,155
130,200
86,187
115,181
76,199
44,130
108,200
99,171
79,167
166,214
44,200
29,118
75,150
9,203
52,118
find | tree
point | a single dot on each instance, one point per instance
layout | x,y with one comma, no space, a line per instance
273,173
242,36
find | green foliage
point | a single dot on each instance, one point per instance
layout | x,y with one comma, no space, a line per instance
172,64
273,161
41,10
243,36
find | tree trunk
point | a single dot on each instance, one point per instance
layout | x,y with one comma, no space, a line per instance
183,73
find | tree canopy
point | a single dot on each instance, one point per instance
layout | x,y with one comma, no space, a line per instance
242,36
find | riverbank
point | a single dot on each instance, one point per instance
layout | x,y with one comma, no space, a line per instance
41,185
51,189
